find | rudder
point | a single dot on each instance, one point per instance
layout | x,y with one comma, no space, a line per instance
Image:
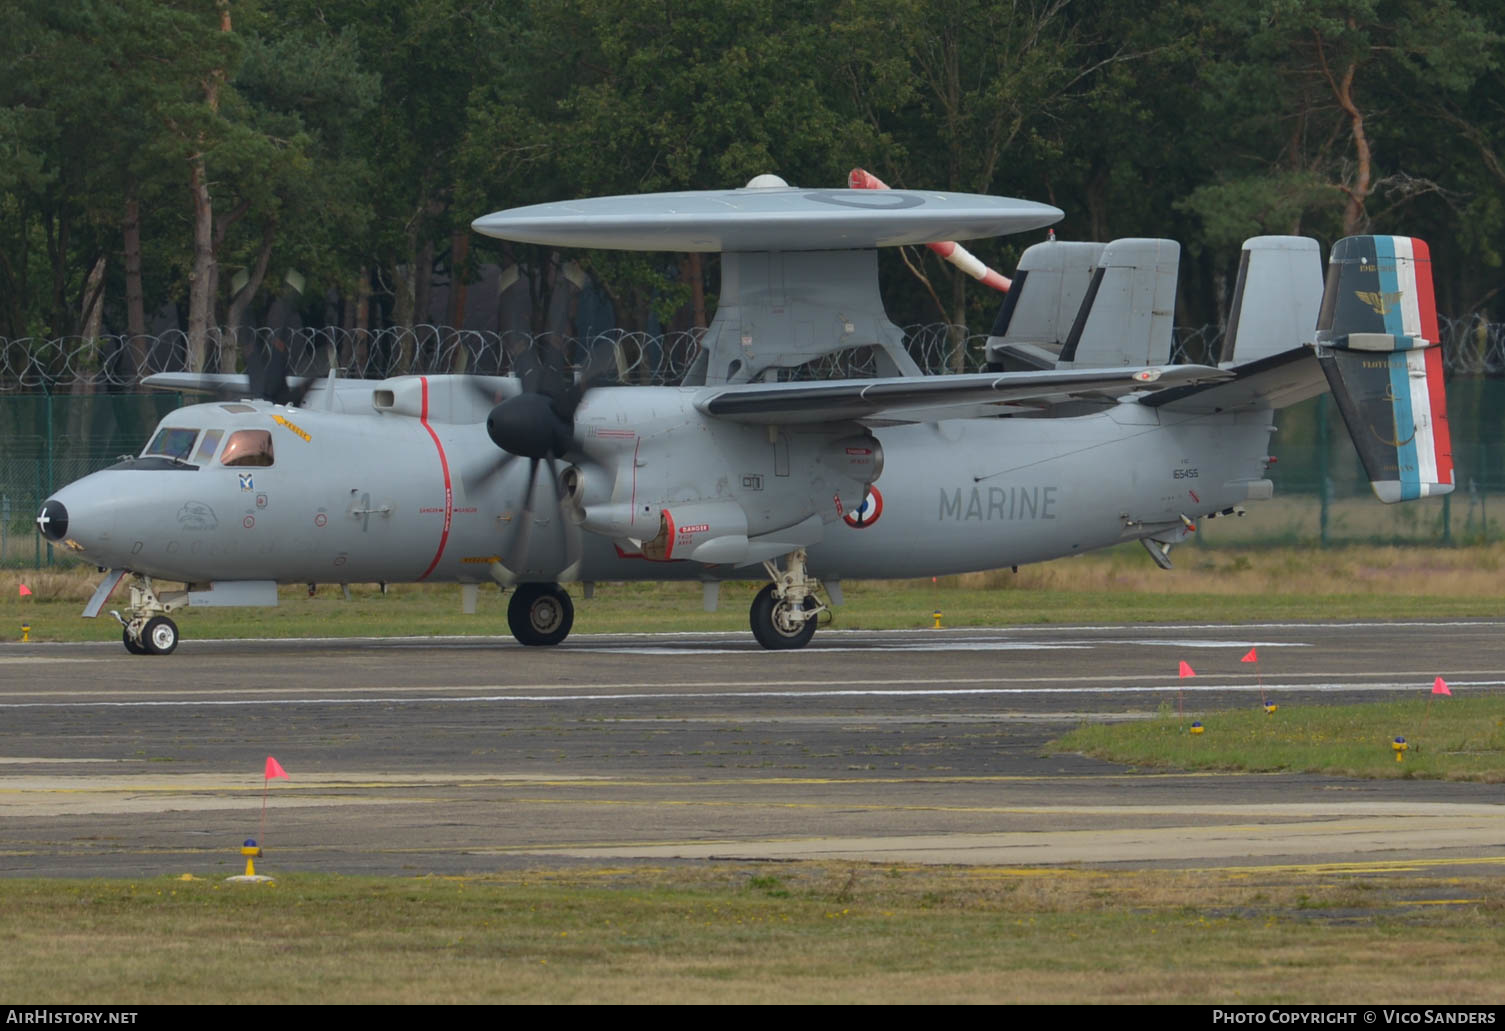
1377,342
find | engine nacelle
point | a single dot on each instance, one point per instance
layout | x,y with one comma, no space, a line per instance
863,458
712,532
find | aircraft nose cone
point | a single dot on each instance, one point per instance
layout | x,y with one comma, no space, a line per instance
52,521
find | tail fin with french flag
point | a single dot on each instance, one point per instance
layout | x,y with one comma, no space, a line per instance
1377,341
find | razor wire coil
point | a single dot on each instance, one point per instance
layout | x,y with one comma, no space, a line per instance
1471,347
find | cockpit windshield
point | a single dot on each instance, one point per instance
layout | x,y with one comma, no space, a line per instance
172,442
207,445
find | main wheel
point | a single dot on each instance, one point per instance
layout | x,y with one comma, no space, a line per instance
775,626
540,614
132,645
160,636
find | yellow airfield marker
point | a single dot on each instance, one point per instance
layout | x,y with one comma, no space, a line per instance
251,851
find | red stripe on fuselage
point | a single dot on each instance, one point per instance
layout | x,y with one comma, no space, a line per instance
1442,438
449,493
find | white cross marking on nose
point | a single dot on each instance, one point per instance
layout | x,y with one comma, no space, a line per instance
43,520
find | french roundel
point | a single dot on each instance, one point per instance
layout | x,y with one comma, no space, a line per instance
868,512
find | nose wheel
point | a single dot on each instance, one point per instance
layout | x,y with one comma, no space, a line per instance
158,637
148,631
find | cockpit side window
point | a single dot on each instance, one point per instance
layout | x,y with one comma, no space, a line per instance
211,440
172,442
248,447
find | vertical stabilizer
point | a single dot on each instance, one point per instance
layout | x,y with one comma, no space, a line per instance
1037,314
1377,340
1126,316
1276,298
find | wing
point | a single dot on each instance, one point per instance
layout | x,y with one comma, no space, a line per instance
234,385
890,399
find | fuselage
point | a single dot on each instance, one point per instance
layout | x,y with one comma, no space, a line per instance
361,496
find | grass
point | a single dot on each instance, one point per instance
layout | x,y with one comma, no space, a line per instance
802,933
1448,738
1120,585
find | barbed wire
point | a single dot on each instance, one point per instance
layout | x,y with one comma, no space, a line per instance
1471,347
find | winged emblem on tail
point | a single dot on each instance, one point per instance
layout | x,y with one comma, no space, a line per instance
1382,303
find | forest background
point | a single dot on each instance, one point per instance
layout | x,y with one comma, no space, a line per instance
186,160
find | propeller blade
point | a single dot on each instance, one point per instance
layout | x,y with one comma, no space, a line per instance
320,373
274,375
518,557
573,544
478,480
480,391
600,365
528,368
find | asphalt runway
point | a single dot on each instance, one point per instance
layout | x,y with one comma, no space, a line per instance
469,755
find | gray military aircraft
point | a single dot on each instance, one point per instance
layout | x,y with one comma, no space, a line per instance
1080,435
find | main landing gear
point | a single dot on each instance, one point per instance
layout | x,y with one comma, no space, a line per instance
149,631
784,614
540,614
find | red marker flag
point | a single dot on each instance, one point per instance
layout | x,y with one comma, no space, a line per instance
274,770
1186,670
1440,686
1251,657
25,590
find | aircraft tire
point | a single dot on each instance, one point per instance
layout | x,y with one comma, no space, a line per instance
540,614
132,645
160,636
766,629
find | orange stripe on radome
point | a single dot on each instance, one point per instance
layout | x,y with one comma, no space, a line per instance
449,493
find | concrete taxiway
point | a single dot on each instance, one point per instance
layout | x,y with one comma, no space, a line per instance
464,755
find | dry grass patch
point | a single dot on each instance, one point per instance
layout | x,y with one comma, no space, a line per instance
785,933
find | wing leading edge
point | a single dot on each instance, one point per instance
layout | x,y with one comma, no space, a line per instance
785,403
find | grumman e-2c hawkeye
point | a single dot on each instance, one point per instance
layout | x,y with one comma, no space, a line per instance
1080,436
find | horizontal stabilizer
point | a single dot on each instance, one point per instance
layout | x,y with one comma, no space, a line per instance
1274,381
1377,343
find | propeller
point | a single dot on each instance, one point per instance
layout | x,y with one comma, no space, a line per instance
539,424
268,375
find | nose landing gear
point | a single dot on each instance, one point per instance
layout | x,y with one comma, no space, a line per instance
149,631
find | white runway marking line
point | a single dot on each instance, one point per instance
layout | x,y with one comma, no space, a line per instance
965,645
1227,682
870,692
1043,628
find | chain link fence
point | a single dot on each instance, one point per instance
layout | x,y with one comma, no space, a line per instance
71,406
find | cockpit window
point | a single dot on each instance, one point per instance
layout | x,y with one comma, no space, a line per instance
248,447
172,442
206,446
